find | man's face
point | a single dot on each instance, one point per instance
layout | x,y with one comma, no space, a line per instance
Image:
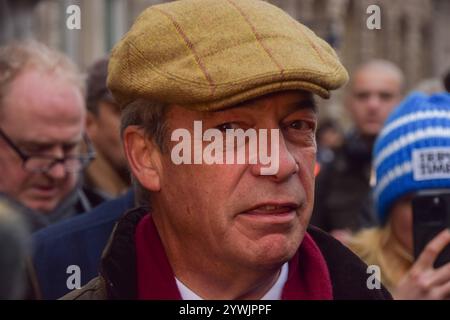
43,114
104,130
373,95
230,213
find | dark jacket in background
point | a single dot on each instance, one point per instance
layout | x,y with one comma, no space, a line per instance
118,278
76,241
343,188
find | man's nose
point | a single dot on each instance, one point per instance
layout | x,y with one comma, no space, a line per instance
373,102
57,171
282,161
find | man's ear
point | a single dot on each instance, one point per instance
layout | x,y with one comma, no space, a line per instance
143,158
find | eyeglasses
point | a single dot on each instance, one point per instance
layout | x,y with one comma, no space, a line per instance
44,163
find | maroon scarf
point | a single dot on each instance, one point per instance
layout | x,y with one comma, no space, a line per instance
308,280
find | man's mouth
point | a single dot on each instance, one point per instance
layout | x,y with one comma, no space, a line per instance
44,191
372,120
272,212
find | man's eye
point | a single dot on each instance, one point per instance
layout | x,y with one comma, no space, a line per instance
386,96
34,150
70,149
301,125
226,126
31,150
362,95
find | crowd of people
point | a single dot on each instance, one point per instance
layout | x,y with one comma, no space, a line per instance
88,177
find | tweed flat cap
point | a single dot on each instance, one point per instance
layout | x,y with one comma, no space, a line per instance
211,54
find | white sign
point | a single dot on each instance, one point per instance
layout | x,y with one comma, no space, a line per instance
431,163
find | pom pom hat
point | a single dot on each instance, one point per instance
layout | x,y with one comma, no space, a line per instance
412,152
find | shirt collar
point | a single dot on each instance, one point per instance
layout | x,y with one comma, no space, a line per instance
274,293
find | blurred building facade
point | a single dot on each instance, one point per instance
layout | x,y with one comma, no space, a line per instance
413,34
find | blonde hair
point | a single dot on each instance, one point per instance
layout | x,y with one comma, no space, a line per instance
378,246
20,56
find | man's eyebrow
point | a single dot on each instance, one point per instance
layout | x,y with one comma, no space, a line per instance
46,145
35,144
309,103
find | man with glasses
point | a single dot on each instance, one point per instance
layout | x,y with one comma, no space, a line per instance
42,117
80,240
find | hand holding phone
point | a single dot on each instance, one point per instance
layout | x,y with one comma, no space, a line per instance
431,215
423,281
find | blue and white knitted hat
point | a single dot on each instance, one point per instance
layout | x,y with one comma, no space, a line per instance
412,152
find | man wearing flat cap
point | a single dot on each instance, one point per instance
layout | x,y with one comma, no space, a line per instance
189,75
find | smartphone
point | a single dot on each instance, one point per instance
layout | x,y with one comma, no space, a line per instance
431,215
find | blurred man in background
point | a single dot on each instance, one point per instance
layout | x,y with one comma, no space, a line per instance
329,137
80,240
108,173
343,185
42,119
